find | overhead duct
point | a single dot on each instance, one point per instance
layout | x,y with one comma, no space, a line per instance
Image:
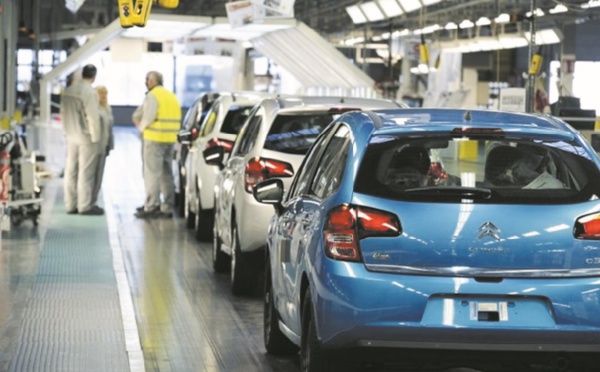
314,62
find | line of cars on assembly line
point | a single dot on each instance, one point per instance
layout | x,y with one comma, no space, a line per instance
389,234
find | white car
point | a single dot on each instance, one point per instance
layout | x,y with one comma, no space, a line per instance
219,128
186,137
272,143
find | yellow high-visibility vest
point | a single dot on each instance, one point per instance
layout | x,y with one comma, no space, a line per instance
168,117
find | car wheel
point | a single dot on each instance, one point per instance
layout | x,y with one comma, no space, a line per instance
180,205
312,356
241,268
275,341
203,223
190,217
219,258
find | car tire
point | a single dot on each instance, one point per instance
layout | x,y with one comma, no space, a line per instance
190,217
241,267
219,258
203,223
312,356
276,342
180,201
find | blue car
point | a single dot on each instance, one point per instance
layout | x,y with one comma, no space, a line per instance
418,231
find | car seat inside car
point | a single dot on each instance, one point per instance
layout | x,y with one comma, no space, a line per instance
522,166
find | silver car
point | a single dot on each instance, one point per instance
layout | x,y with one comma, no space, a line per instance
272,143
219,128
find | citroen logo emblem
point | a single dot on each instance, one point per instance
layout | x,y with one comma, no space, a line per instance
488,229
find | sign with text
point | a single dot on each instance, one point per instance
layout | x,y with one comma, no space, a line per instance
241,13
512,99
278,8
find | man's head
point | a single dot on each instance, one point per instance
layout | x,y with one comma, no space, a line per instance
153,78
89,72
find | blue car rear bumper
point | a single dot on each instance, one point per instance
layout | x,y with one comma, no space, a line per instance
356,307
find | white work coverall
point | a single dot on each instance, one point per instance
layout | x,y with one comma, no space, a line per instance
106,144
81,122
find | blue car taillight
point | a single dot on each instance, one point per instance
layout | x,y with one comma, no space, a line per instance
587,227
347,224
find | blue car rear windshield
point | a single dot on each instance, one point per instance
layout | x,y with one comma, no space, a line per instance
295,133
494,170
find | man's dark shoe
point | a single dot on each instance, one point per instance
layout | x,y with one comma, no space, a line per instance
72,211
93,211
139,209
155,213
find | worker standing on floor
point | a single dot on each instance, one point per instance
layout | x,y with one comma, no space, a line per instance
159,121
80,115
106,140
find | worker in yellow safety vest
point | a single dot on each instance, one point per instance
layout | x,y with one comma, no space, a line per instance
158,119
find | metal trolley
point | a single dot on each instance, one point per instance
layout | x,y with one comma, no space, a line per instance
20,192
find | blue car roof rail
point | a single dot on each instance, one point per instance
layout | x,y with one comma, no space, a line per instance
470,117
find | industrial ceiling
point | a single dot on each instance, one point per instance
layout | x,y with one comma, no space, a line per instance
328,17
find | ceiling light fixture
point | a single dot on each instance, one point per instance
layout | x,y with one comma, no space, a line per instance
410,5
483,21
391,8
451,26
430,29
372,11
591,4
547,36
502,18
356,14
538,13
559,8
466,24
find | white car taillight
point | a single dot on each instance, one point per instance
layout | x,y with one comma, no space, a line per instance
260,169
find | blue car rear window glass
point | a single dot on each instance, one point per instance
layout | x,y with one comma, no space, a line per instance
478,170
235,119
294,134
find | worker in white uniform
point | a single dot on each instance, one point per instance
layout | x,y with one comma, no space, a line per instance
81,121
106,138
159,121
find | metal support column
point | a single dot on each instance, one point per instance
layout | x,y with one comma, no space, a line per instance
531,77
3,21
35,82
9,58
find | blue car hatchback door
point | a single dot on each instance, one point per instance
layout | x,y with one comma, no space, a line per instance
437,231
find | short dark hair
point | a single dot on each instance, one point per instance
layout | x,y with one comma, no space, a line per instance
89,72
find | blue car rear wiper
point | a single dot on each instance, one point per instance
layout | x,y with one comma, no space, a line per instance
463,192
